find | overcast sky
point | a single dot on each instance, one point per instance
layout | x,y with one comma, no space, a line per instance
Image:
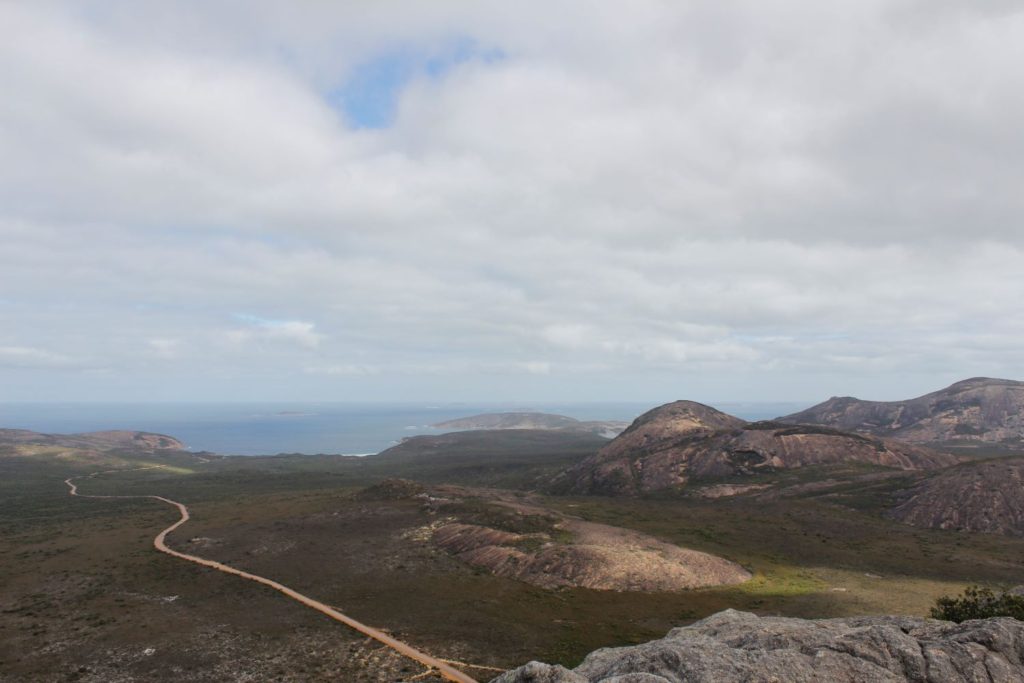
567,200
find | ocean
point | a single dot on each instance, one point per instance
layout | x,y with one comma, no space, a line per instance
271,428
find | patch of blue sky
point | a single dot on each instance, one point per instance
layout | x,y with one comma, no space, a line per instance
369,96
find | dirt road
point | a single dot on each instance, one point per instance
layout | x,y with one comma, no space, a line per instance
444,669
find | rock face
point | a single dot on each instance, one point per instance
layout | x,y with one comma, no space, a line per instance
533,421
985,496
106,440
598,556
681,442
736,646
975,410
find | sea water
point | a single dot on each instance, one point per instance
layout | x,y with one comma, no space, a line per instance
271,428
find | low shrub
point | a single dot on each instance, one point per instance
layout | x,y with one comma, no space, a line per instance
978,603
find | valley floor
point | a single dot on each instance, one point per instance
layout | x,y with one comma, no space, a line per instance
86,598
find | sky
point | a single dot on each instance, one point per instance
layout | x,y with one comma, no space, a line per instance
717,200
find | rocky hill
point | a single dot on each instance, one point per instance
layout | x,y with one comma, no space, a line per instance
608,428
104,440
683,442
517,536
665,425
587,555
986,496
975,410
731,646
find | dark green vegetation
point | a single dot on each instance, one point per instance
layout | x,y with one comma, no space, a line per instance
507,458
85,596
978,602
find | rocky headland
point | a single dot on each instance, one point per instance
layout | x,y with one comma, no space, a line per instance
103,440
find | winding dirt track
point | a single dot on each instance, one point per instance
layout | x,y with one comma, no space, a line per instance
445,670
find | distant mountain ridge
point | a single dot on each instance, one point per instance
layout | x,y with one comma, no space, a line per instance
533,420
976,410
680,442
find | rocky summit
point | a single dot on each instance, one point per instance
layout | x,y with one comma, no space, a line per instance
664,425
734,646
683,442
978,410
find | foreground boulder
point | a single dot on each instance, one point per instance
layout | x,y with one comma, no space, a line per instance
738,646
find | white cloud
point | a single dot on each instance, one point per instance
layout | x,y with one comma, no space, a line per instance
29,357
537,367
165,348
343,370
295,332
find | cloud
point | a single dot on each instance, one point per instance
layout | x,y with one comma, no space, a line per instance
343,370
29,357
296,332
537,367
369,95
165,348
795,200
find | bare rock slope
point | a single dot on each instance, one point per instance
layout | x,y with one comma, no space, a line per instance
681,442
980,410
736,646
985,496
598,557
517,537
664,425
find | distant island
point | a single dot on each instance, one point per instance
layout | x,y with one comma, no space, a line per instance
531,420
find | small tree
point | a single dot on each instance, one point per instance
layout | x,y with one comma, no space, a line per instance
978,603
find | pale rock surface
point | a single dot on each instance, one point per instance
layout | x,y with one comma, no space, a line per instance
734,646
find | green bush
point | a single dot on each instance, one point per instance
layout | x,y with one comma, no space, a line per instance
978,603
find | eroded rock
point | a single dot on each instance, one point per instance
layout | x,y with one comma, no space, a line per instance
739,646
